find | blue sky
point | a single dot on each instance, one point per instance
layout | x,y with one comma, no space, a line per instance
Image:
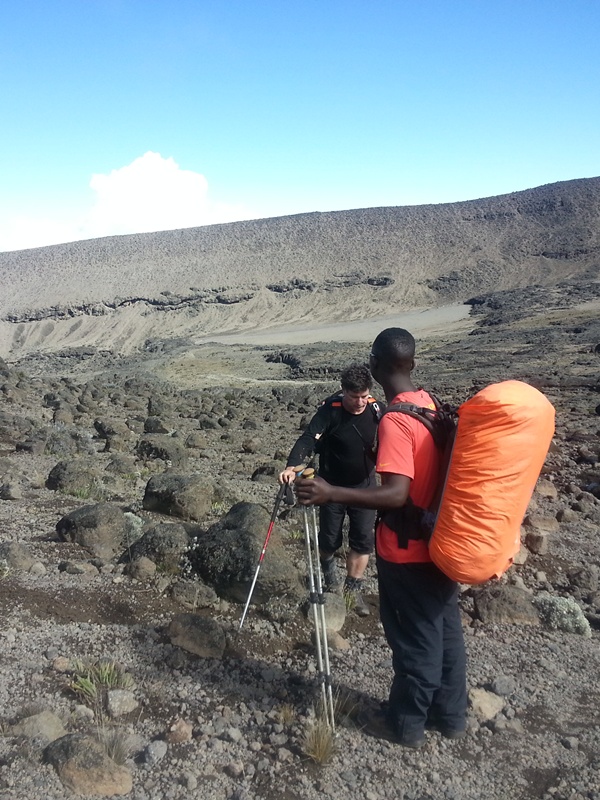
121,116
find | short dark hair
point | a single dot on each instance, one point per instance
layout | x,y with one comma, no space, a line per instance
356,378
394,346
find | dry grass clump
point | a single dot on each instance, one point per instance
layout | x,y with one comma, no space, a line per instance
287,714
318,741
116,742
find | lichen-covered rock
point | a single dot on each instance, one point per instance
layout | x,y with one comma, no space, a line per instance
562,614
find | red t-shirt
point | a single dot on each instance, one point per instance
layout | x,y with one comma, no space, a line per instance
407,448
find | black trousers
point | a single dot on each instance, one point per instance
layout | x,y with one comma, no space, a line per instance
361,533
421,619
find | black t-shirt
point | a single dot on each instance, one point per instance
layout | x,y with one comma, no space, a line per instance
344,442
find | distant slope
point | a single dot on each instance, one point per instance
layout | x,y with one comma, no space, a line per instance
366,262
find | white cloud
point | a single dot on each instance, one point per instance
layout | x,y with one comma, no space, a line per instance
150,194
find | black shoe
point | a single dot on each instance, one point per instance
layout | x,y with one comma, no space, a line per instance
331,575
445,730
374,722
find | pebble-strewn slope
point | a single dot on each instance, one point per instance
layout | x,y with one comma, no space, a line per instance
432,253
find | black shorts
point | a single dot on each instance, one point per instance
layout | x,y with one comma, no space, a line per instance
361,534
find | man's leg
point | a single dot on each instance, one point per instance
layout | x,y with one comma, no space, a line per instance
360,541
356,564
331,521
449,707
361,538
412,601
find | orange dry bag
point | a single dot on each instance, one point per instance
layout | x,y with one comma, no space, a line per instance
502,438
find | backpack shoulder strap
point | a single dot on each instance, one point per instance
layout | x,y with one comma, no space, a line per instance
375,408
440,421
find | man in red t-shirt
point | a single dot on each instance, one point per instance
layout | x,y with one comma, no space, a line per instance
418,603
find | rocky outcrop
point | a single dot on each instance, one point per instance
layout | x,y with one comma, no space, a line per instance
227,555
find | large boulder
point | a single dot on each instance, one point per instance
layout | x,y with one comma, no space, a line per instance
506,604
101,529
183,496
161,447
16,555
84,767
226,557
199,635
164,544
76,476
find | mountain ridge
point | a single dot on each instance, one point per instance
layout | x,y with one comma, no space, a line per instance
330,265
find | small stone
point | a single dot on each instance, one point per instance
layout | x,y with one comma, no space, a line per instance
120,702
537,542
485,704
179,731
570,742
155,751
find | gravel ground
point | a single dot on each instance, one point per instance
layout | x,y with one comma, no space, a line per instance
243,718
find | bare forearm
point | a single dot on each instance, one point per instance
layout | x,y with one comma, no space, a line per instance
380,497
393,493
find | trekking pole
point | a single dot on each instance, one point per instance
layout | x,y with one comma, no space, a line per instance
317,602
278,499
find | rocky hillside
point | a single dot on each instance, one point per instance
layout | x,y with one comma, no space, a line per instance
132,516
329,266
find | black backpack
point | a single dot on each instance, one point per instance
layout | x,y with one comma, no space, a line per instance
411,521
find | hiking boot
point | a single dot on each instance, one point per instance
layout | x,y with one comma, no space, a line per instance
354,599
445,730
331,575
374,722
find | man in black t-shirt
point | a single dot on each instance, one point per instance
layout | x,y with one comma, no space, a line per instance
343,433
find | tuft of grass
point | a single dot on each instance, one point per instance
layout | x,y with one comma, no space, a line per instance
111,675
219,507
85,688
4,568
287,714
349,600
345,705
318,741
91,681
116,742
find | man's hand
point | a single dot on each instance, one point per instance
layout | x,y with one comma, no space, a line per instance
313,491
287,476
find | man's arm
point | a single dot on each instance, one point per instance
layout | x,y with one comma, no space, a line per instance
393,493
306,443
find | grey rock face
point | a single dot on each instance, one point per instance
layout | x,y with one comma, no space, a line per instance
45,724
164,544
76,476
16,556
165,448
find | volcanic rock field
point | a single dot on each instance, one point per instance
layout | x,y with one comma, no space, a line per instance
138,463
